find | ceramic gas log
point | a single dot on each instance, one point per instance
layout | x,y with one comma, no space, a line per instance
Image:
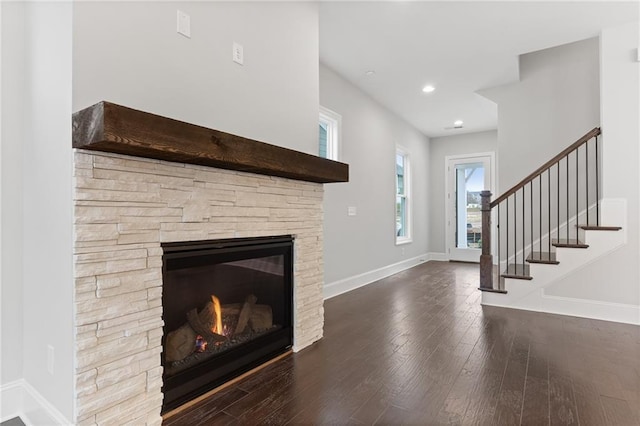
214,329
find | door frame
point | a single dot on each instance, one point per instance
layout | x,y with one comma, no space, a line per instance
474,157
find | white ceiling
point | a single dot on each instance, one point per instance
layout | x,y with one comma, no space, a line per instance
459,47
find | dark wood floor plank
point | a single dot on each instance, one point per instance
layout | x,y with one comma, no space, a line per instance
418,348
509,409
588,404
373,408
562,406
484,399
221,419
391,415
209,408
617,412
535,409
460,397
342,403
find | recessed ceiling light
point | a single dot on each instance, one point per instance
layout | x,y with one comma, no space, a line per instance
428,89
370,72
458,124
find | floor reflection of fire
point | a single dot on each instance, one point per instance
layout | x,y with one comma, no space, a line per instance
215,328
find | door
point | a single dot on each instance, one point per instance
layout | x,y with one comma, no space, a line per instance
467,176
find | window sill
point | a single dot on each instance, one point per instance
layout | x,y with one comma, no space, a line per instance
403,240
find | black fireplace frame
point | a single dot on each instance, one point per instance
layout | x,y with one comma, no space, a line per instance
201,378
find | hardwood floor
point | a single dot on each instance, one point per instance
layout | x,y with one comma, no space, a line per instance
418,348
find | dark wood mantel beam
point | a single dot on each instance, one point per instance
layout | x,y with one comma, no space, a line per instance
113,128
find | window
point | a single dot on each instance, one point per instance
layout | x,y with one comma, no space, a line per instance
403,205
329,134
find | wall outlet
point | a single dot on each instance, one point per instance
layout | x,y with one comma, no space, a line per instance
351,211
238,53
50,358
184,24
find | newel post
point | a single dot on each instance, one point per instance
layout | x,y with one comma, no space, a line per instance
486,259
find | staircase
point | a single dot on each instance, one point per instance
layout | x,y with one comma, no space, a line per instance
547,226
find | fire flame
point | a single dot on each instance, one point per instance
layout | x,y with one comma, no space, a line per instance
218,312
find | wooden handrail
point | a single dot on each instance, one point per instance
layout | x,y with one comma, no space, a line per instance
591,134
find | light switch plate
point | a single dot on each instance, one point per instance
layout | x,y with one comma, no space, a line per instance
238,53
184,24
50,358
351,211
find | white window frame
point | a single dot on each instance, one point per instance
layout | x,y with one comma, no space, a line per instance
407,196
333,121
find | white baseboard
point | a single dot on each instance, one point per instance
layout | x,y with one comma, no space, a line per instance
11,396
607,311
20,399
440,257
573,307
345,285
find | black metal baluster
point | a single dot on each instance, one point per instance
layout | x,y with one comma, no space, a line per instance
597,187
549,206
586,168
567,223
507,256
577,194
558,204
498,227
540,213
523,225
515,229
531,214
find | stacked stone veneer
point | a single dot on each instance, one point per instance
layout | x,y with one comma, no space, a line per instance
124,207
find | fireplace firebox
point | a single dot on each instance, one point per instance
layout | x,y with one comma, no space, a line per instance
227,308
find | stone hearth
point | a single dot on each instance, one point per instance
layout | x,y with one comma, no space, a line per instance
124,208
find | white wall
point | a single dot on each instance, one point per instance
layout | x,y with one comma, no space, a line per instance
366,242
130,53
47,234
555,102
37,297
615,278
439,148
11,191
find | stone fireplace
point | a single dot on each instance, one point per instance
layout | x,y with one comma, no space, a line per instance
125,208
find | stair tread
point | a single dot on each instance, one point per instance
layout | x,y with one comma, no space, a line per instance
493,290
545,257
569,243
600,228
517,271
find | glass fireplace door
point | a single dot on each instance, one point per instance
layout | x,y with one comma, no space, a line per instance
227,305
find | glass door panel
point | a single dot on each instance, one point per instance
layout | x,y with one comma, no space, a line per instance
467,177
469,183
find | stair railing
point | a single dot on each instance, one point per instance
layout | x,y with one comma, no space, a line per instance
540,212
